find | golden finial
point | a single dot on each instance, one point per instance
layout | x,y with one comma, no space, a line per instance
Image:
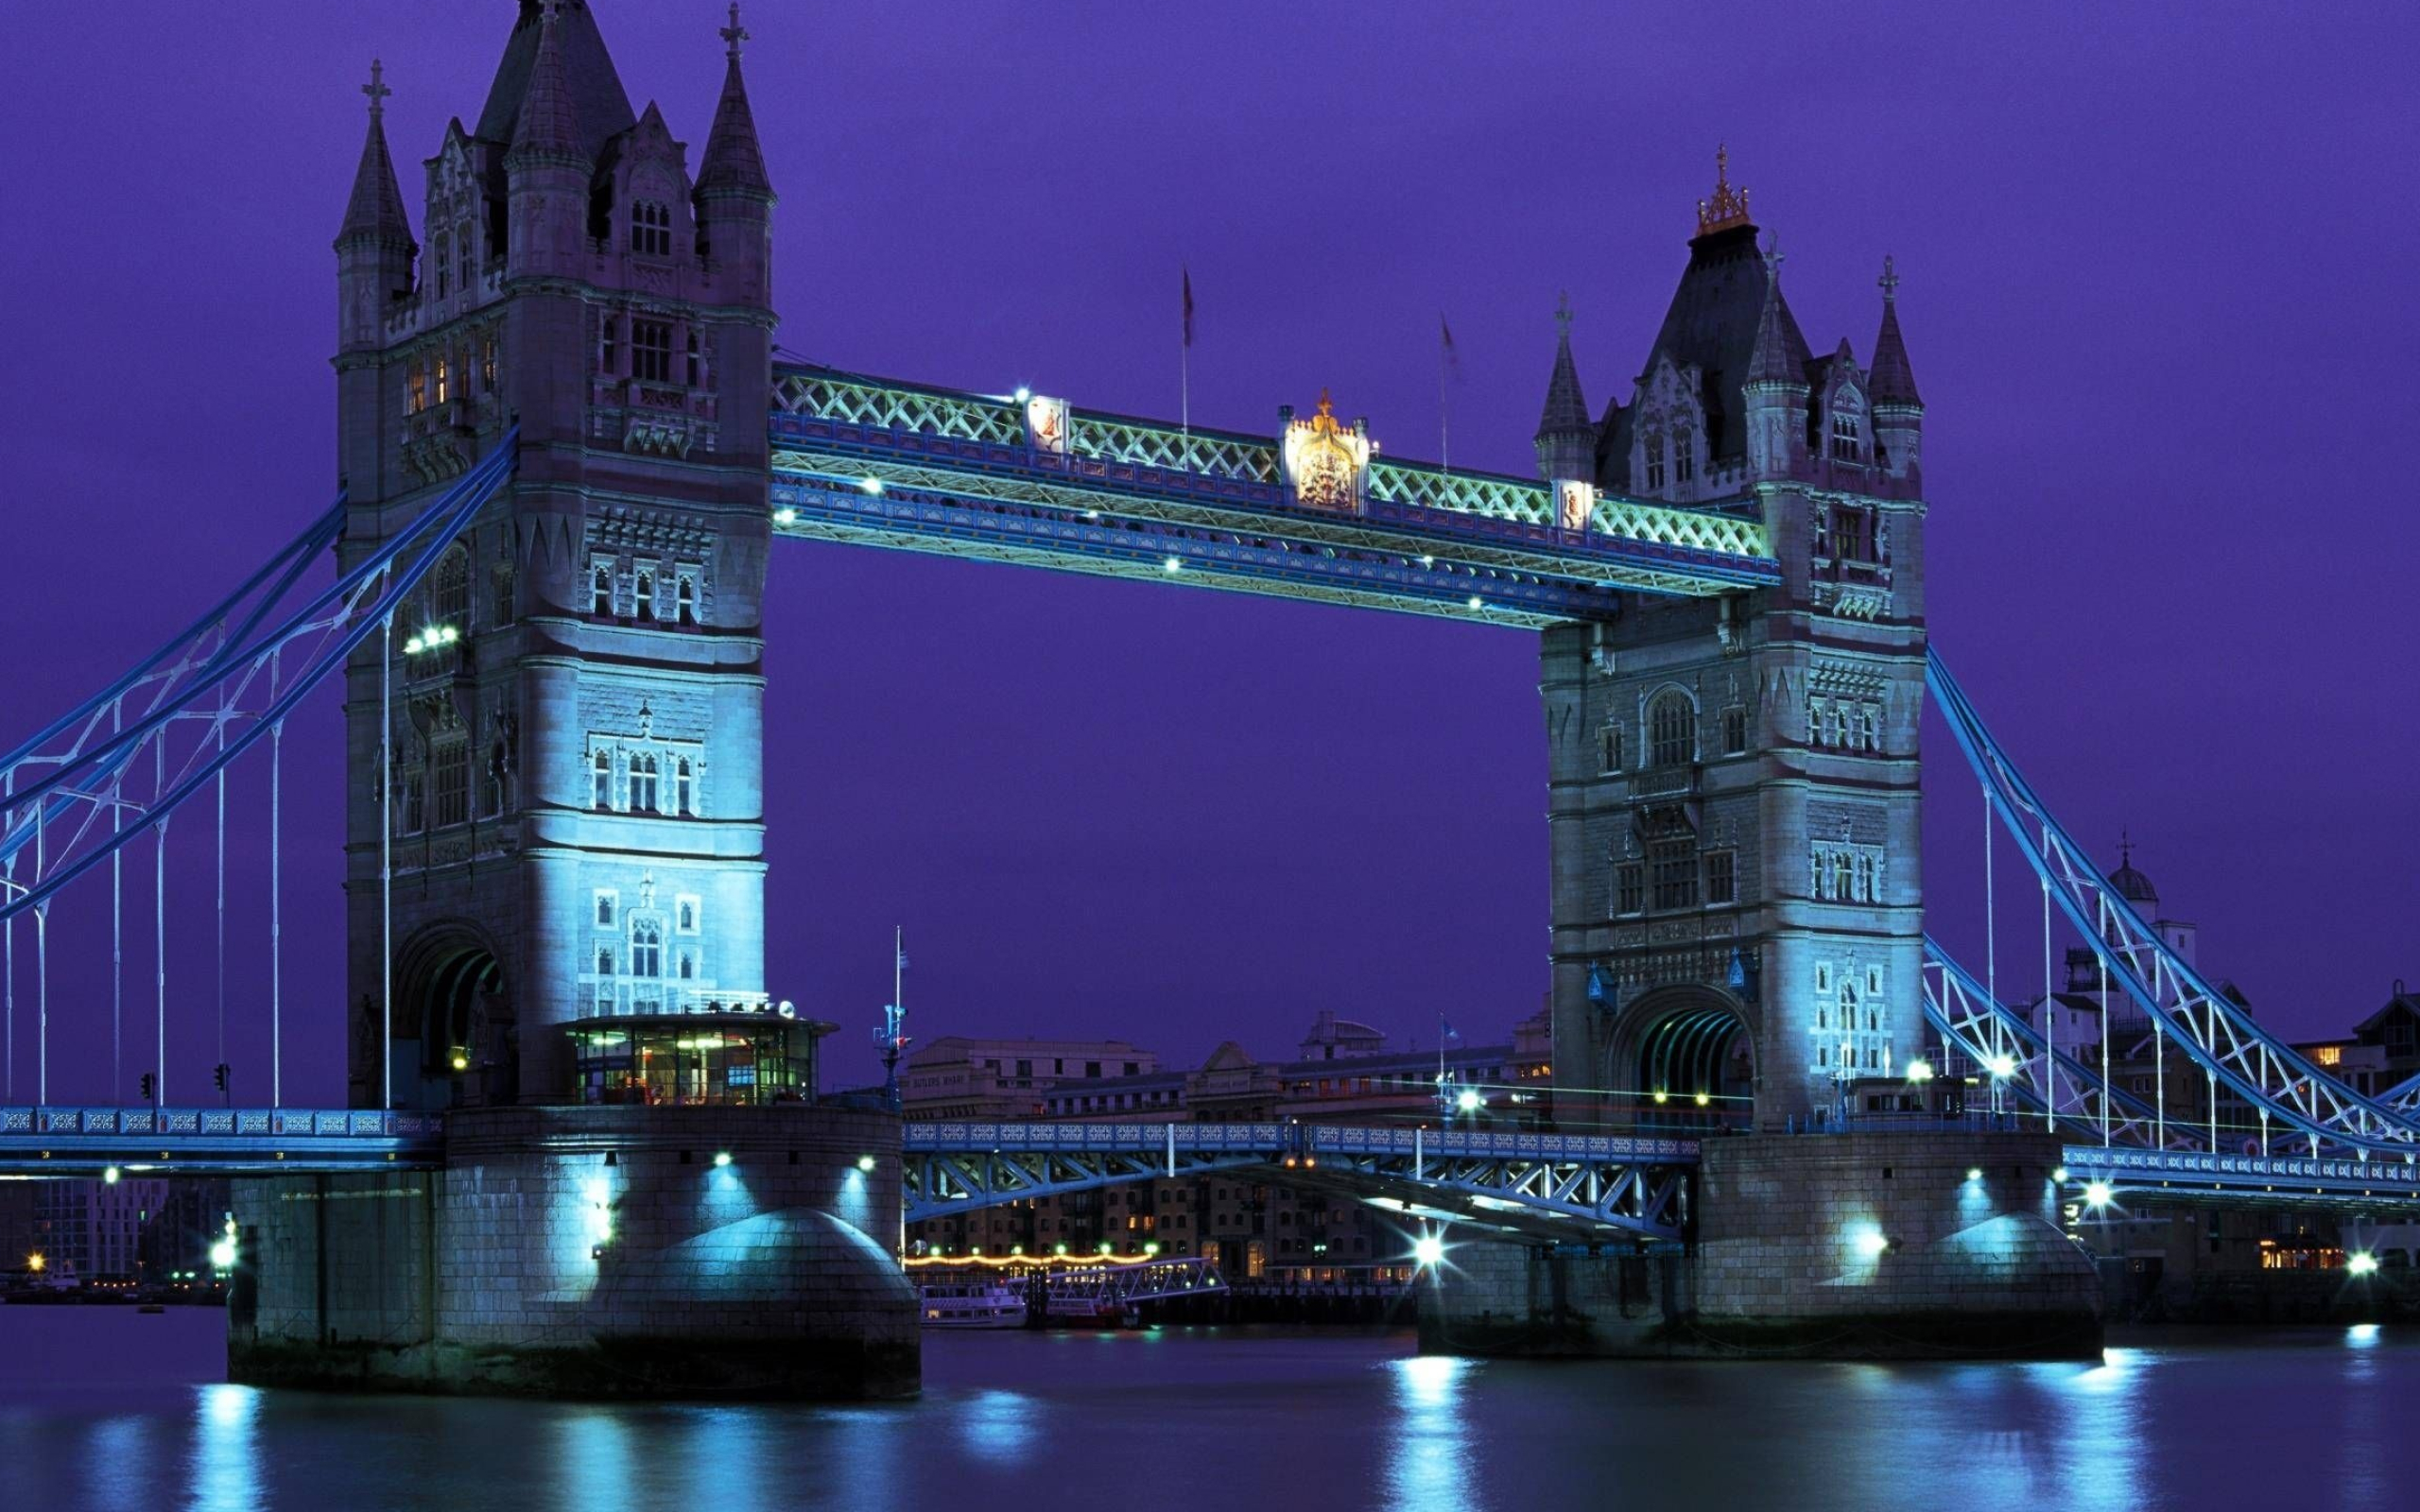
1729,206
1327,410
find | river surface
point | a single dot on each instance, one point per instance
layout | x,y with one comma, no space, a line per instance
107,1408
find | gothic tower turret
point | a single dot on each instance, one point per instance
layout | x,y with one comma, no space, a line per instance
1567,439
1898,409
574,810
1774,394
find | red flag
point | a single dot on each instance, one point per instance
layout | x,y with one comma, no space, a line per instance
1188,306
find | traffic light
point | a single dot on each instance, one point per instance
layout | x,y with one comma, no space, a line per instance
219,1075
148,1082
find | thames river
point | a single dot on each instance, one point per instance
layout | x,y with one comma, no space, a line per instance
104,1408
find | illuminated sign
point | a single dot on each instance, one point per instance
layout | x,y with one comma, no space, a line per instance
1326,462
1045,425
1575,504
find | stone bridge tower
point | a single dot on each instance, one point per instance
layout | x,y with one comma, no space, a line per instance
1736,901
574,805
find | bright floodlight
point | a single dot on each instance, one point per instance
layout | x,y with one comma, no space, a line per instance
1704,1100
1974,1173
2098,1193
873,485
722,1158
784,516
2003,1065
1919,1070
222,1255
2362,1262
2059,1173
865,1162
1476,602
1024,393
110,1176
1470,1101
1172,565
1429,1250
1872,1242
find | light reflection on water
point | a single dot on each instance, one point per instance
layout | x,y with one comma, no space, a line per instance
1252,1419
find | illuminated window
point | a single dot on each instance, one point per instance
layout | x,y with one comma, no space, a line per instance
415,389
487,361
602,797
651,229
442,392
1672,733
647,948
651,351
450,783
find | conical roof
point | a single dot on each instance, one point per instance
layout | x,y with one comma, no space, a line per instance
599,102
376,209
1567,407
548,124
734,160
1779,355
1894,382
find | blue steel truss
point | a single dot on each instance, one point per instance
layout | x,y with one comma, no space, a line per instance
162,1141
213,692
2177,1175
1638,1185
873,462
2221,1037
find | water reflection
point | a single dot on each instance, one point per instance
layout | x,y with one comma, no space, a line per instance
226,1471
999,1425
595,1461
1427,1455
117,1464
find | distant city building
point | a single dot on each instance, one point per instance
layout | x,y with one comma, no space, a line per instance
956,1077
92,1229
2382,1052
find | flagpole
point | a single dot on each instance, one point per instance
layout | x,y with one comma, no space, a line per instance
899,968
1185,365
1445,432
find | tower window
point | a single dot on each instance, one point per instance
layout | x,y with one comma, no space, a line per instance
603,796
1629,888
1721,877
605,335
688,916
1671,728
442,392
450,781
604,910
646,594
1848,434
1609,746
1684,462
449,598
415,389
651,351
1673,867
487,361
688,967
444,268
696,363
685,599
643,784
684,797
1734,731
605,960
647,948
601,591
1654,448
462,253
651,229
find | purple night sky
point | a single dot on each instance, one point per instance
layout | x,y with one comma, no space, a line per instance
2157,289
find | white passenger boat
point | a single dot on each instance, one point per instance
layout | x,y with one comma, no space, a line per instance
960,1302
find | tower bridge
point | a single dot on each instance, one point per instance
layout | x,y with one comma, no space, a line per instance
582,1122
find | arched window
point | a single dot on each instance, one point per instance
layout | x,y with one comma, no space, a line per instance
688,967
1672,729
1848,426
415,389
602,797
689,916
647,948
600,591
696,362
605,910
683,793
1685,456
1653,445
442,391
444,268
606,331
449,596
684,601
644,605
643,784
605,960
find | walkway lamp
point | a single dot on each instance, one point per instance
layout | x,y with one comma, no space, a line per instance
1429,1251
1920,1071
2360,1263
1470,1101
2098,1195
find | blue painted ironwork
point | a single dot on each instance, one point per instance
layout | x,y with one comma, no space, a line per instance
2218,1035
83,1142
1636,1184
2181,1174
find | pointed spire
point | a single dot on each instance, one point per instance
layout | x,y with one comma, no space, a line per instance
1567,407
548,126
1894,382
1727,206
1774,360
734,163
375,211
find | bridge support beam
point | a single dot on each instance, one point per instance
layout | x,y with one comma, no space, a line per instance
590,1251
1918,1245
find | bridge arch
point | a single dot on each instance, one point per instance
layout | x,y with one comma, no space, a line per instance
452,1004
1684,1057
